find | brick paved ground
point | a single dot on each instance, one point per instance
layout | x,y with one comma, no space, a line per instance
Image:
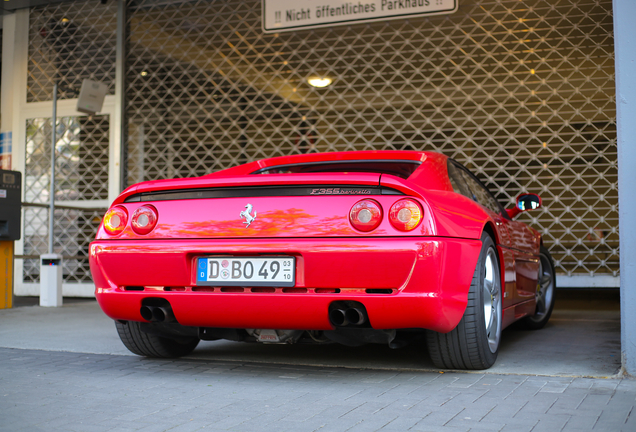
61,391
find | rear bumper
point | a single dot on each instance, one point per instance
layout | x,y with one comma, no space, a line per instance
428,280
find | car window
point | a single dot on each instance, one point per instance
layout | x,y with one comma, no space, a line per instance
457,181
465,183
401,169
482,196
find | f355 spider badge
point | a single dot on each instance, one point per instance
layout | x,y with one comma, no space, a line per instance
248,217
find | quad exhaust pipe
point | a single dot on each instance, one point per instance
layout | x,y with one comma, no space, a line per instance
350,316
157,313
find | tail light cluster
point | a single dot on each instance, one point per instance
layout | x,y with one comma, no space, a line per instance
115,220
405,215
366,215
143,220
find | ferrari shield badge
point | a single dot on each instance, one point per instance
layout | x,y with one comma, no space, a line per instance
246,214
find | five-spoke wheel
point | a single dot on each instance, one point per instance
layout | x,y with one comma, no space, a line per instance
474,343
544,296
492,300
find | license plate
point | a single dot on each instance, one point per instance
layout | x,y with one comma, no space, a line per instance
246,271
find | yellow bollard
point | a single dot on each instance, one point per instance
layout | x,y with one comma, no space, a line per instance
6,274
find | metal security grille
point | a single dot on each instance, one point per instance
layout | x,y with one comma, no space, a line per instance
74,230
520,91
81,175
69,42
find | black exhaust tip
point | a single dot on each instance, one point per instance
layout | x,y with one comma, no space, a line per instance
338,317
163,314
159,314
355,316
146,312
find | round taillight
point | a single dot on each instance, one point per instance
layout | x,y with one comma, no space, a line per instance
366,215
405,215
144,219
115,220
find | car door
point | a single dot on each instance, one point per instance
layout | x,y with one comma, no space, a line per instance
459,177
525,243
517,241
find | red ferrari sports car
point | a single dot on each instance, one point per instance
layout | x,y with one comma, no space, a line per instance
352,247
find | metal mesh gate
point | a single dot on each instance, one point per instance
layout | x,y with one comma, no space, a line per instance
81,175
69,42
520,91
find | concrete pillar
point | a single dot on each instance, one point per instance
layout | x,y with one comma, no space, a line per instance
625,50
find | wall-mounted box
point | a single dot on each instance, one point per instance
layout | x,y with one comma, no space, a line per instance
10,204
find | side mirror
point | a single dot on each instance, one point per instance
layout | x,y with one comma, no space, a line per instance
525,202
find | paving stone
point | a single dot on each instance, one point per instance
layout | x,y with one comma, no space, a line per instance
364,409
87,427
540,403
155,427
611,420
486,428
435,428
594,401
520,427
341,425
568,405
630,424
554,387
404,407
191,426
476,413
581,422
440,417
436,398
401,423
551,423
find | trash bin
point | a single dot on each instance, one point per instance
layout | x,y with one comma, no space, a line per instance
51,280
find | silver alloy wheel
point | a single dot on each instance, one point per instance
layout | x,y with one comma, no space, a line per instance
492,300
545,288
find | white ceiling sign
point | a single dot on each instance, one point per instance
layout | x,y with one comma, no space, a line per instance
287,15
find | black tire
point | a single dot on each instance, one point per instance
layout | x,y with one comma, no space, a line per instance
545,296
474,343
151,345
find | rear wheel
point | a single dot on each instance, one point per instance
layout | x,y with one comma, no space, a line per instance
151,345
474,343
546,285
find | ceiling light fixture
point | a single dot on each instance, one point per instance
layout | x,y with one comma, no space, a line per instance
319,82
